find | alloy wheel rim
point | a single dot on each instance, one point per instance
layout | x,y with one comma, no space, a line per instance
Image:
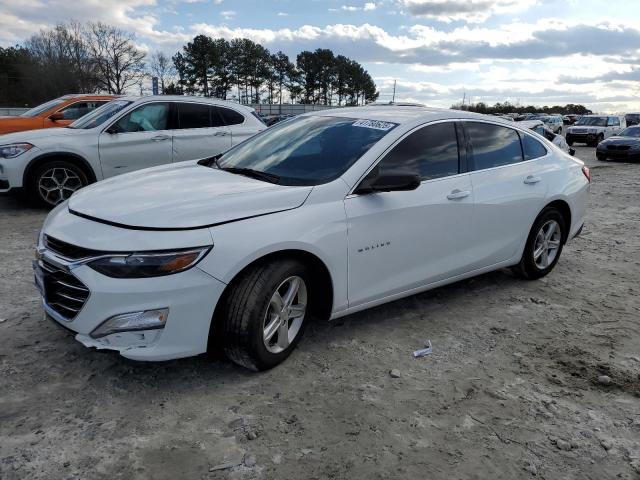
547,244
58,184
285,314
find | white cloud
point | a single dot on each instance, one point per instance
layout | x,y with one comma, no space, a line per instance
472,11
369,6
282,14
228,14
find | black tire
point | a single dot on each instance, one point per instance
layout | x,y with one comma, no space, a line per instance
598,139
527,268
76,179
601,156
245,308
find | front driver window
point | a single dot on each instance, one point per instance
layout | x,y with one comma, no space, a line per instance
147,118
431,152
79,109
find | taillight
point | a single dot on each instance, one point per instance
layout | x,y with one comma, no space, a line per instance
587,173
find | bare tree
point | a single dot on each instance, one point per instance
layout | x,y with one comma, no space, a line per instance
119,63
64,55
161,66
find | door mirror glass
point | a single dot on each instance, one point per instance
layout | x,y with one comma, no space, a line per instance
56,116
389,181
572,151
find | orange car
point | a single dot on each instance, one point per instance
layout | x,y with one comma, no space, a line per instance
54,113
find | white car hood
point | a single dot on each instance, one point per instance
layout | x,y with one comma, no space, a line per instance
182,196
32,136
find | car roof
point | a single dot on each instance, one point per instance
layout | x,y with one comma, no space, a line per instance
186,98
403,114
88,95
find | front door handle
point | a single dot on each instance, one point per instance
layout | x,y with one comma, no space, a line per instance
159,138
531,180
220,133
458,194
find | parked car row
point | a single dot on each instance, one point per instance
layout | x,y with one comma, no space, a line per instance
126,134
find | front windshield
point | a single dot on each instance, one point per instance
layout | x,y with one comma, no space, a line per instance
100,114
630,132
593,121
307,150
35,111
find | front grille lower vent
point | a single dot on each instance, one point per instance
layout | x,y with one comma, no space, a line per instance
63,291
68,251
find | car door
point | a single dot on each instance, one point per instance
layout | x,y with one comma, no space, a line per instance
201,133
141,138
614,126
239,128
405,239
509,190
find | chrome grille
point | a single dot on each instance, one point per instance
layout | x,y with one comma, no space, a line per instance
63,292
66,250
579,131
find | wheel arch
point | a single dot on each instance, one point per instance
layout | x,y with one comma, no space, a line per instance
320,273
565,210
74,158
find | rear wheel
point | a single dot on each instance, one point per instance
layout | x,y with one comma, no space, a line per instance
54,182
544,245
265,313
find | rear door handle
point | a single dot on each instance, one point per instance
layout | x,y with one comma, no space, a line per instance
531,180
458,194
159,138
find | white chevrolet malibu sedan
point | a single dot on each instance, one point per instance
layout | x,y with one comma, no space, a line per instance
320,216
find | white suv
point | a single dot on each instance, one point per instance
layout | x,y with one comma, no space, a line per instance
323,215
592,129
122,136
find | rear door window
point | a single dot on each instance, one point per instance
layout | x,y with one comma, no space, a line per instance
492,145
194,115
431,152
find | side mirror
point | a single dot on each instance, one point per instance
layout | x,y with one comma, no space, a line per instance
572,151
112,130
391,181
56,116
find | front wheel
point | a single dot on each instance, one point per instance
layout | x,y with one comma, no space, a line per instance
54,182
544,245
265,313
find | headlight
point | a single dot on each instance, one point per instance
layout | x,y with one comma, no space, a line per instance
14,149
592,130
150,264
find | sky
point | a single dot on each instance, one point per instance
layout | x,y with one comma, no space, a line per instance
541,52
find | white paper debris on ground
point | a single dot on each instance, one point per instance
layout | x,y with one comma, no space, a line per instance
424,351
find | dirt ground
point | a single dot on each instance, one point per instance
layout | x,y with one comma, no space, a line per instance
511,390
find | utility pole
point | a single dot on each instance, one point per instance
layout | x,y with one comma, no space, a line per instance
393,99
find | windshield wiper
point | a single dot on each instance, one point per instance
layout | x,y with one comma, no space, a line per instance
249,172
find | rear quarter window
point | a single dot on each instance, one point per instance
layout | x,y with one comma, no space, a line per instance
532,148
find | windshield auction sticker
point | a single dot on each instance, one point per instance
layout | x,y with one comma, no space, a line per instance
375,124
